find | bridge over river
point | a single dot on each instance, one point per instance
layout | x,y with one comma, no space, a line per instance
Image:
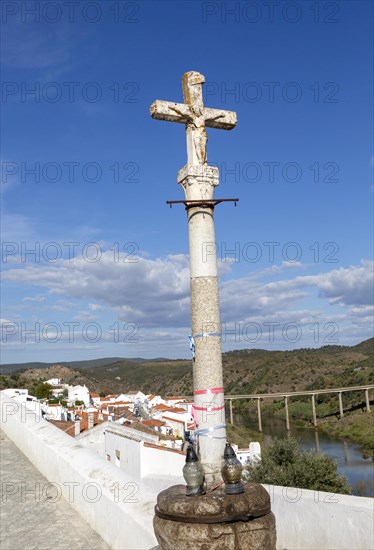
287,395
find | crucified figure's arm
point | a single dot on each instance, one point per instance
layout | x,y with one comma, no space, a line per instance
178,111
216,117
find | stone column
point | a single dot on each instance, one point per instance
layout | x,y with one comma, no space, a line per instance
314,410
198,183
367,400
287,416
341,411
259,415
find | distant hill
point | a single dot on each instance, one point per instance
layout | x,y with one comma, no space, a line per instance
244,371
87,364
366,347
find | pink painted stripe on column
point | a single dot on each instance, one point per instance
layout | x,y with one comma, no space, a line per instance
209,390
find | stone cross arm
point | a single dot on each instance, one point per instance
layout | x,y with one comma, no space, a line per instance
181,112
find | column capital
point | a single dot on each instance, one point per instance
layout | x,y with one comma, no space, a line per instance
198,182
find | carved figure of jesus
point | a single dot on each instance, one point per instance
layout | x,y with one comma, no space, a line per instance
195,116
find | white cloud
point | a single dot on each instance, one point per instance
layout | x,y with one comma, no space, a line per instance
95,307
37,299
150,291
154,294
351,286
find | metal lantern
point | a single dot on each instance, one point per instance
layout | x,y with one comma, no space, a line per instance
232,472
193,473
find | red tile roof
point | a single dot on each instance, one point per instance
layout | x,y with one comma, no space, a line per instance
174,398
65,426
162,407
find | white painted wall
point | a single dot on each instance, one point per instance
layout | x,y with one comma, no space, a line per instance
79,393
161,462
133,397
175,425
312,520
130,453
94,439
306,520
53,381
54,412
123,519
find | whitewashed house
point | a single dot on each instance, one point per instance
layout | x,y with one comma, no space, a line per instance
171,401
134,396
22,396
54,411
157,426
252,454
53,382
174,426
95,399
153,400
143,457
78,393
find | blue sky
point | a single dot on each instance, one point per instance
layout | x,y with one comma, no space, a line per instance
86,173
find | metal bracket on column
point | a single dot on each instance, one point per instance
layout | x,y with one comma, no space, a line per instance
211,203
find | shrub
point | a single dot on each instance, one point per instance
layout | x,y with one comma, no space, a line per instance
284,463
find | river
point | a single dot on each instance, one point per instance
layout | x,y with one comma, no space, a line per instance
351,463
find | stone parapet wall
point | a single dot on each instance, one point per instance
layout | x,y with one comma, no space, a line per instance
306,520
116,507
315,520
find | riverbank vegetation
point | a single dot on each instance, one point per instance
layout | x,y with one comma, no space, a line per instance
241,436
356,427
284,463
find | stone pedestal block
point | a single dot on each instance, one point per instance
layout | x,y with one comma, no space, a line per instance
215,521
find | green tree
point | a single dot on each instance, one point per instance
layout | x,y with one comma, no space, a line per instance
284,463
42,390
78,402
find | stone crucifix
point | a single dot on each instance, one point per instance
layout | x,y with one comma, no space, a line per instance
195,116
198,180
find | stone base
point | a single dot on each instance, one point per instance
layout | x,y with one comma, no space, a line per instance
215,521
258,534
